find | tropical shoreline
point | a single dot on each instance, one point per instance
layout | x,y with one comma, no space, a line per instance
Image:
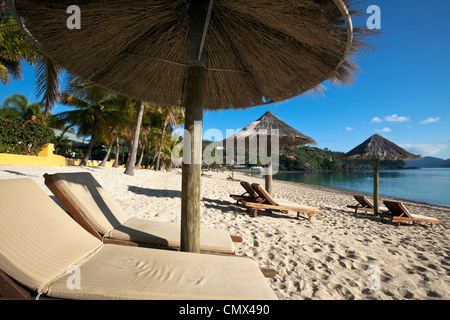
383,195
351,193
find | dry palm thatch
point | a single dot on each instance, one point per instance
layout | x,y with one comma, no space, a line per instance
258,52
265,125
377,147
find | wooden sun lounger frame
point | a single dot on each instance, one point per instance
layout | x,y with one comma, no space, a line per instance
10,289
402,214
364,205
78,217
268,203
248,195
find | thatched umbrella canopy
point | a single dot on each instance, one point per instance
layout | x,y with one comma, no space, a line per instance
263,129
202,54
256,52
379,148
266,125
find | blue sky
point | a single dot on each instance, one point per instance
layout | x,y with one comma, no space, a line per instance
402,91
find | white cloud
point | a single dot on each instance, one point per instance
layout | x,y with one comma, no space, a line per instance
430,120
425,149
384,130
376,119
447,140
396,118
349,129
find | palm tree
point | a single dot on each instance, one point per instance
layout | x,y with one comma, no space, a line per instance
167,115
117,153
14,48
62,145
18,106
132,159
88,102
115,118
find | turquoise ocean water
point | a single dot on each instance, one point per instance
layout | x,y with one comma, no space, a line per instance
424,185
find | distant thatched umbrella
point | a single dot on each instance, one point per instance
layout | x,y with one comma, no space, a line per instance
379,148
268,122
202,54
264,128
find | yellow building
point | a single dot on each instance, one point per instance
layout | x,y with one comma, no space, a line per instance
44,158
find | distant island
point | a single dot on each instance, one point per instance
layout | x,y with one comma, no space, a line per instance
313,159
429,162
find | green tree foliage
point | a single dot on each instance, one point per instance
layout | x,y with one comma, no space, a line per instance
17,106
15,48
62,145
316,159
88,102
23,137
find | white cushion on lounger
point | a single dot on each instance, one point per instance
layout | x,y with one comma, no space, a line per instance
39,242
103,212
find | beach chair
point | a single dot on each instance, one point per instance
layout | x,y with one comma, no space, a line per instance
268,203
398,212
365,205
94,209
232,179
45,253
248,195
206,174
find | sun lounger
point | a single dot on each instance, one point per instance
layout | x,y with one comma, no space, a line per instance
94,209
248,195
268,203
206,174
232,179
45,253
365,205
398,212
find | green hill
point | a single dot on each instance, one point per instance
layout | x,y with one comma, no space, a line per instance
316,159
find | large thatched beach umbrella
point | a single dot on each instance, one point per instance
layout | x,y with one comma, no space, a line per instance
379,148
263,129
202,54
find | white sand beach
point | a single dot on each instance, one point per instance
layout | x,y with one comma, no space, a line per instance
325,259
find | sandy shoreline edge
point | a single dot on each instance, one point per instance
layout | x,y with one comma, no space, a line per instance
333,257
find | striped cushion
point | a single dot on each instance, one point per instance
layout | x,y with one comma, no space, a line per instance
89,197
38,240
39,243
120,272
105,215
168,234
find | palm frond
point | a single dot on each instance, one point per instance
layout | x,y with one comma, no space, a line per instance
48,74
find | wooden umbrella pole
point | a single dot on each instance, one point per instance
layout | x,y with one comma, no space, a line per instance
200,13
268,176
376,185
191,176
